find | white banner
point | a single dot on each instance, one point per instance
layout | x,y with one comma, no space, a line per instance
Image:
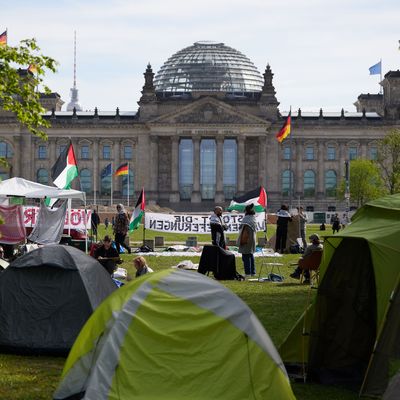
188,223
77,218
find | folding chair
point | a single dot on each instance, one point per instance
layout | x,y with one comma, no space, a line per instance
311,263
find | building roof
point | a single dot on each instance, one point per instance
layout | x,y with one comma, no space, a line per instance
208,67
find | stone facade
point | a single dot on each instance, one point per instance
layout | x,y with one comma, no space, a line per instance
150,141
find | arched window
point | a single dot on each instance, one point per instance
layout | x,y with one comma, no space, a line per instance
42,176
185,168
309,183
5,150
230,168
287,182
330,183
208,164
125,184
86,180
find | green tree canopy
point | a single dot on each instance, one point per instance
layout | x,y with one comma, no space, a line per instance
389,160
18,86
365,182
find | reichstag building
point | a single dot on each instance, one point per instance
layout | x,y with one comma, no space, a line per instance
203,133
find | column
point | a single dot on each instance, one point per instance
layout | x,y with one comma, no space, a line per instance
320,169
219,194
174,194
95,172
196,195
117,184
363,148
342,159
17,157
154,167
299,169
241,164
262,158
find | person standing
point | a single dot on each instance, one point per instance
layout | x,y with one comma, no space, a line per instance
303,224
218,228
121,226
247,240
95,220
281,228
335,223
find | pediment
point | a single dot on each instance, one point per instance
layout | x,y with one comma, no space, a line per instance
209,111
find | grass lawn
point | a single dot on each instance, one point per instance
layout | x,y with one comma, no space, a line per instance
277,306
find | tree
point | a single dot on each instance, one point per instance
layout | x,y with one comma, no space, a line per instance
18,87
389,160
365,182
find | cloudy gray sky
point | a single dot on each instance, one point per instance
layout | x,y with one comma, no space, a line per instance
319,50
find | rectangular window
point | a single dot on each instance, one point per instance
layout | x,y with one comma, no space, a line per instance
373,153
352,153
128,152
85,152
286,153
106,152
42,152
309,153
331,153
61,148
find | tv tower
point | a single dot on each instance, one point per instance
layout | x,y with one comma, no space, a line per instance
74,103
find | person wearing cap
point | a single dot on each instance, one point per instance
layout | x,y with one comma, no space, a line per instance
218,228
314,246
121,227
247,240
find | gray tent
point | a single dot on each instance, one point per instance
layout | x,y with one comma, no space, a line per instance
46,296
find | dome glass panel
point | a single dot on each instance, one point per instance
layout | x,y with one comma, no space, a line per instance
208,66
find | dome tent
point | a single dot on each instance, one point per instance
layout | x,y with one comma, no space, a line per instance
173,335
349,335
46,296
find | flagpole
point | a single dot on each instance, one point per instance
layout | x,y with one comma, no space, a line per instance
381,89
94,187
144,226
290,165
128,187
111,193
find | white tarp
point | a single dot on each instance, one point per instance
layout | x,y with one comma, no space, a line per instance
23,188
195,223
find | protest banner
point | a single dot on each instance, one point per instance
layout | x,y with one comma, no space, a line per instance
77,218
195,223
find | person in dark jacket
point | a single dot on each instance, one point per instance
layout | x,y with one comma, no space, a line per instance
95,222
106,255
281,228
218,228
121,227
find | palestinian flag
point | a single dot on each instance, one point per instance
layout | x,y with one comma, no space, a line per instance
3,39
122,170
65,170
258,197
137,212
285,130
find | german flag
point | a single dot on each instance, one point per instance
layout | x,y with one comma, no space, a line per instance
122,170
285,130
32,69
3,38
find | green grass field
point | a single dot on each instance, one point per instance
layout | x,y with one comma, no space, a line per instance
277,306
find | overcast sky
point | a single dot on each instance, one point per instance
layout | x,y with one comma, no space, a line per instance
319,50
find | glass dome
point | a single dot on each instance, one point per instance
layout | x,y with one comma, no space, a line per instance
208,66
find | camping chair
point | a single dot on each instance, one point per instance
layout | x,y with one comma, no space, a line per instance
311,263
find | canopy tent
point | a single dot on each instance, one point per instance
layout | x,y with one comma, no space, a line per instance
19,187
350,334
23,188
174,334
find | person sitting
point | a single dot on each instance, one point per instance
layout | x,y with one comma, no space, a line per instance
322,227
314,246
107,255
141,267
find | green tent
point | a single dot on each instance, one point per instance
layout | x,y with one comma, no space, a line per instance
174,335
350,332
